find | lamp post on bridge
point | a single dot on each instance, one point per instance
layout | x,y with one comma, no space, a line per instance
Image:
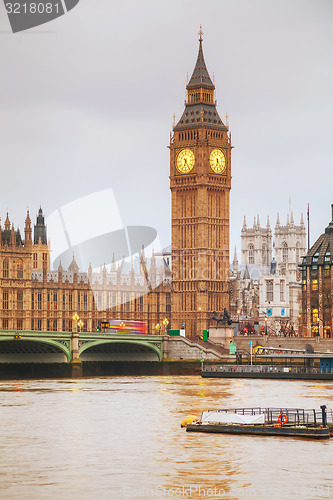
200,323
157,328
75,340
165,323
75,319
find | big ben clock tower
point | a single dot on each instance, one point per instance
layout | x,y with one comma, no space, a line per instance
200,181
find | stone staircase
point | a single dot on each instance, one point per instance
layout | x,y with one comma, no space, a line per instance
212,345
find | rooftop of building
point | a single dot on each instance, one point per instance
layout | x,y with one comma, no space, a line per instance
321,253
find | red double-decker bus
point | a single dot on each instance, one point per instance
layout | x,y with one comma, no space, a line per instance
124,326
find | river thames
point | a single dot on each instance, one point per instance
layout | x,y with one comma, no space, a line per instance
120,437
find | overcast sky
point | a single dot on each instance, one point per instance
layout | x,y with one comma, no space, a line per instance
87,104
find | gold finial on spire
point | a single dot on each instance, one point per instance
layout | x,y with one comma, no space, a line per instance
173,121
200,33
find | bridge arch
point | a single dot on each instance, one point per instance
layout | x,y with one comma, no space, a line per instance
119,350
30,347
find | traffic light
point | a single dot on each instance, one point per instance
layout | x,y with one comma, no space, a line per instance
98,329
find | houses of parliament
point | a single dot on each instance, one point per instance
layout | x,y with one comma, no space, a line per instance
34,297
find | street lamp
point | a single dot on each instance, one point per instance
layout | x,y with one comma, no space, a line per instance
157,328
165,323
200,326
238,313
76,319
265,326
80,325
75,340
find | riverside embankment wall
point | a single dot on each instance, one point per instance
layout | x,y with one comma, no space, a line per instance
180,348
318,344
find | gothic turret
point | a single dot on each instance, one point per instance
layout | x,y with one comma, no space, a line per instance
40,229
7,223
277,220
27,230
302,220
73,267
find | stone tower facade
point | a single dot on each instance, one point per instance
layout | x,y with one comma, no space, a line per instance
290,242
256,243
275,281
280,289
200,182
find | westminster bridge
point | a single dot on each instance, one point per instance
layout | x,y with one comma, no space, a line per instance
59,347
18,346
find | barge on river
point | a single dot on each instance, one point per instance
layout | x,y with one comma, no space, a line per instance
291,422
277,366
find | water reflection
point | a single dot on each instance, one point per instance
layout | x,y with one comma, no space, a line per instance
120,437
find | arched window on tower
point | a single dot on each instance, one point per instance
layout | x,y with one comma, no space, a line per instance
19,269
251,254
284,252
5,268
297,252
44,260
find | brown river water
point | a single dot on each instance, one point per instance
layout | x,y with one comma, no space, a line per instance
120,437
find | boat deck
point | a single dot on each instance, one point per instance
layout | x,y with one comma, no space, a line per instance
296,422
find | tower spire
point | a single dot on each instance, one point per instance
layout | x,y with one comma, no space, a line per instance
200,75
200,33
200,104
277,220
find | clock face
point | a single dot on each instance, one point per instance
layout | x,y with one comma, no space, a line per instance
217,161
185,161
